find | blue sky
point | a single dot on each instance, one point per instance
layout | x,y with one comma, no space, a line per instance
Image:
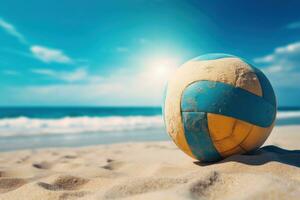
120,52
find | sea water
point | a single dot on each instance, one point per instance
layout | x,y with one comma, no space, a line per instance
37,127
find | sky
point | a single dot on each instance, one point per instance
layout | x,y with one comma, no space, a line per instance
121,52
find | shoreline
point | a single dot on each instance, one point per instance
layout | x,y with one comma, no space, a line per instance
78,140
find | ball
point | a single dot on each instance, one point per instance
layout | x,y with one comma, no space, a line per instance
217,105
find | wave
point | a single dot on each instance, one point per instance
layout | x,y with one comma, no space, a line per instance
288,114
71,125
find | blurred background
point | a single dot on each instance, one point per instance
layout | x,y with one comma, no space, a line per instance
76,73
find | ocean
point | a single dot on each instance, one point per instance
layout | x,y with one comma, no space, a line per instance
39,127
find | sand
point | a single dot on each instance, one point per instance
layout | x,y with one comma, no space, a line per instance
152,170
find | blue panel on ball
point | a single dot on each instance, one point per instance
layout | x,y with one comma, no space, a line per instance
197,136
213,56
225,99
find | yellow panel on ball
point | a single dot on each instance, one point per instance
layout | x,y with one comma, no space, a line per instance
257,137
235,150
220,127
238,132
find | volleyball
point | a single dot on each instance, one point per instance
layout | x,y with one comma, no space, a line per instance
217,105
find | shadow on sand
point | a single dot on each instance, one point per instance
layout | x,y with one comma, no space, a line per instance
264,155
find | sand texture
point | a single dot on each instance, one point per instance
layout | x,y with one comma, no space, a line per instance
152,170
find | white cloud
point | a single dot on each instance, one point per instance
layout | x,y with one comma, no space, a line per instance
144,87
49,55
265,59
42,53
274,69
293,25
10,72
114,90
47,72
11,30
67,94
284,58
282,65
142,40
293,48
141,85
122,49
79,74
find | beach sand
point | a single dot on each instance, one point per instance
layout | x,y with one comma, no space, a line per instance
152,170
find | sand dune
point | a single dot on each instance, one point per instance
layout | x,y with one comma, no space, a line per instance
152,170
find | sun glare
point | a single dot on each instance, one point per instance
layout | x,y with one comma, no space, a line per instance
162,68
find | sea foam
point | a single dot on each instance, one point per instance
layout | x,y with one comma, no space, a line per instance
23,126
288,114
71,125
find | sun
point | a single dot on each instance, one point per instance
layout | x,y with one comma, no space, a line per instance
162,68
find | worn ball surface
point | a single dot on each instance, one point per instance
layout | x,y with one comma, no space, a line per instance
217,105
